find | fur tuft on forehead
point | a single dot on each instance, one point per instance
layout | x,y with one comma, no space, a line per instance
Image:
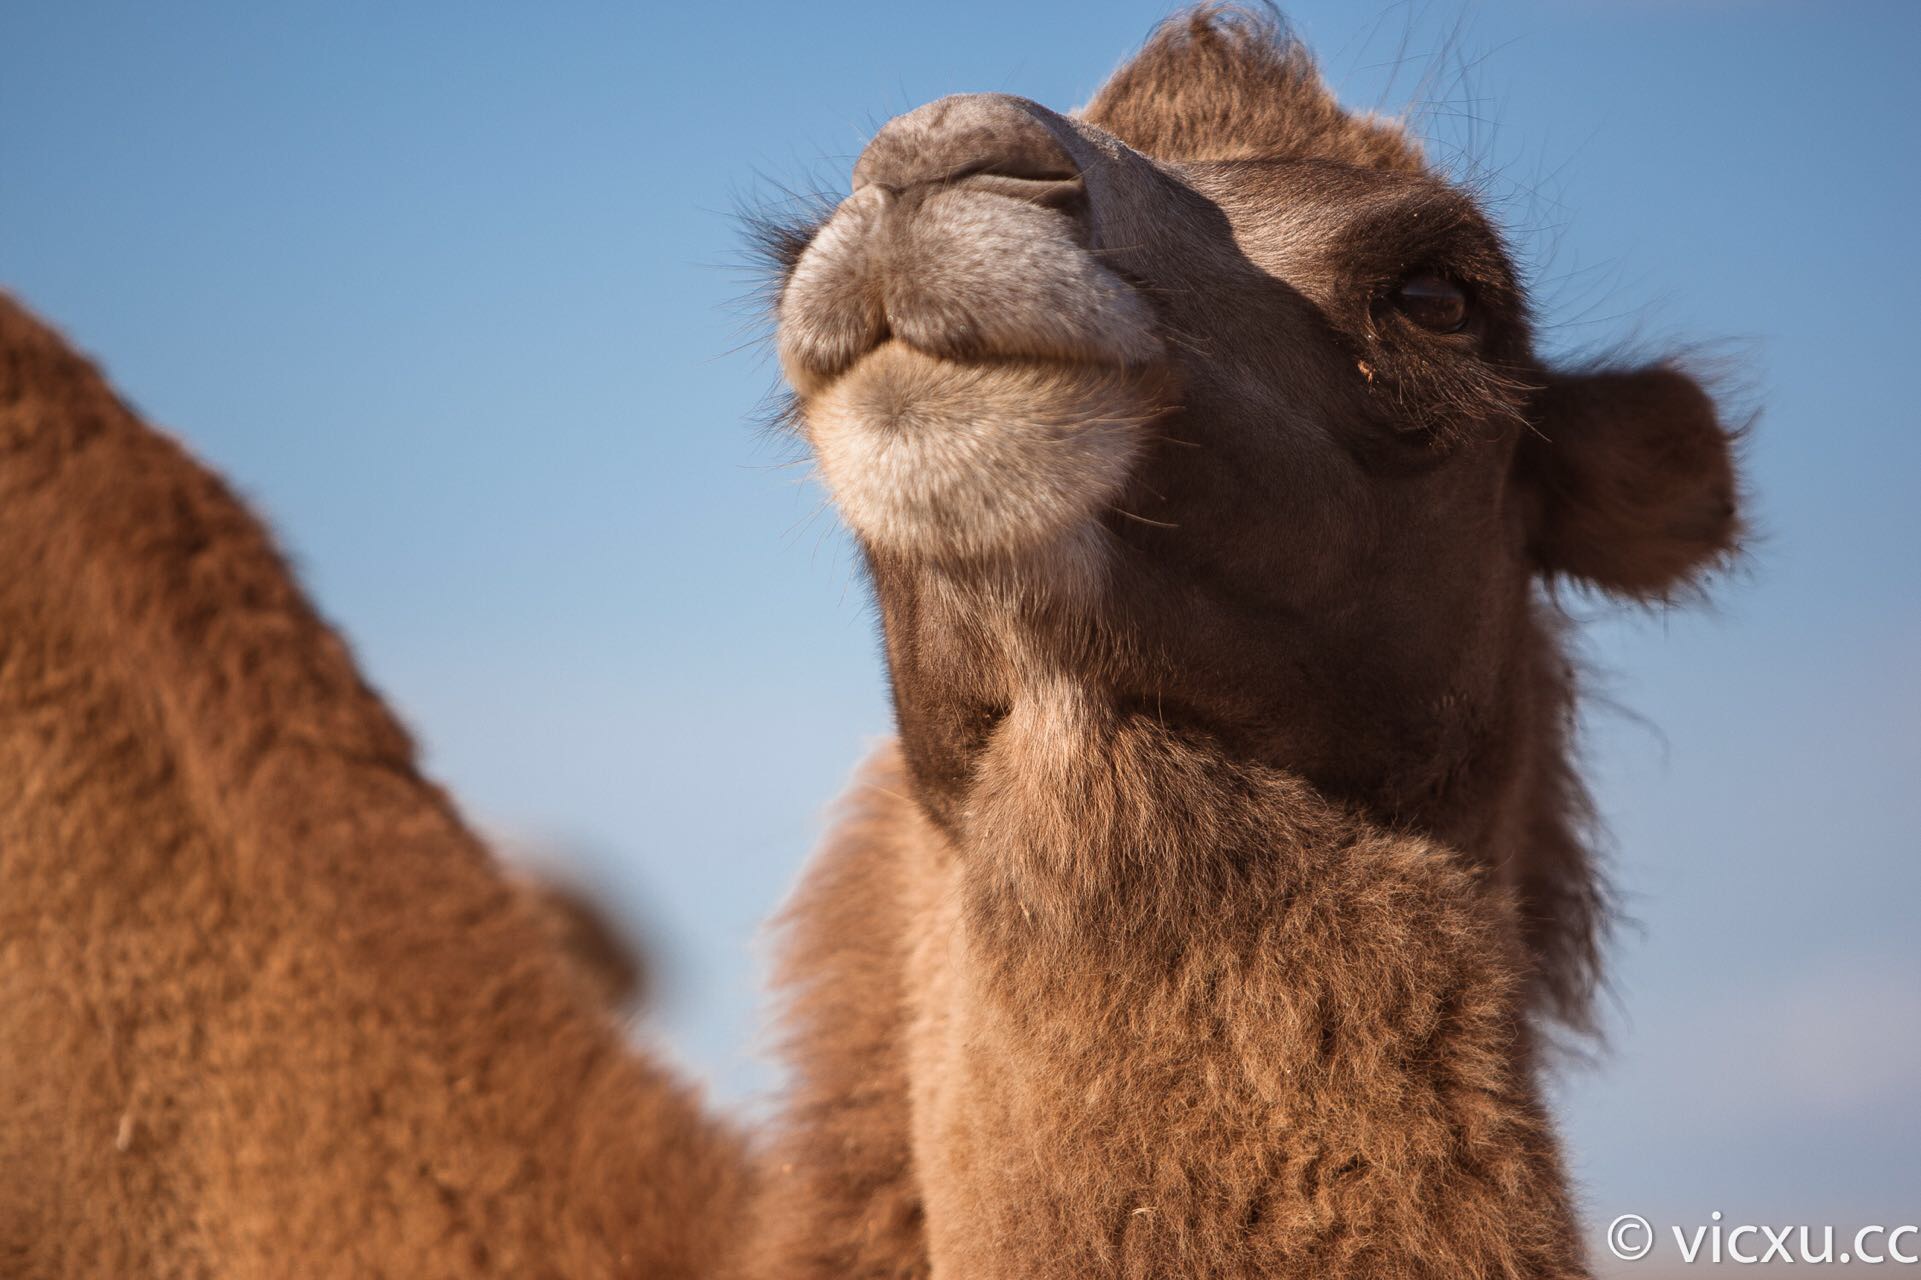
1221,82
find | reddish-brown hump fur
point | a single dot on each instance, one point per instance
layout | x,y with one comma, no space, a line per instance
270,1009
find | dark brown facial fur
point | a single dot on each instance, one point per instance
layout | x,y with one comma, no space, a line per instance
1177,499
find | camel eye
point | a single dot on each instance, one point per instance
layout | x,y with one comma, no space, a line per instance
1433,302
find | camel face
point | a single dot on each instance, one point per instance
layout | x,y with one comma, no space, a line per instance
1217,401
1001,332
979,383
1183,392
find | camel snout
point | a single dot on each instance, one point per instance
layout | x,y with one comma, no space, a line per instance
968,235
985,141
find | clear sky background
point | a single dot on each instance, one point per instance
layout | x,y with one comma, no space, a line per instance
452,292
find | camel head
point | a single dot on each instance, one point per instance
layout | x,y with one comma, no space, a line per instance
1219,402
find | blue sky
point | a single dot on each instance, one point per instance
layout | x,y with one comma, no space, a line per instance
453,294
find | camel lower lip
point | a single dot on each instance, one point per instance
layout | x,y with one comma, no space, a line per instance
961,459
1040,363
812,384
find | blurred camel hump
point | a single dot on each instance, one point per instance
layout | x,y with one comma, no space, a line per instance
269,1007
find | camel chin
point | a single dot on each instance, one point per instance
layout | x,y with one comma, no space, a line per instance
968,461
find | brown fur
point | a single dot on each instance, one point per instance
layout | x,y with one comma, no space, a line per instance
597,945
269,1008
1203,921
1206,918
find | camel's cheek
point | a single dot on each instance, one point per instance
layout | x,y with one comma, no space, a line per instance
928,458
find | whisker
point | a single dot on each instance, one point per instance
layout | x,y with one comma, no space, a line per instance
1139,519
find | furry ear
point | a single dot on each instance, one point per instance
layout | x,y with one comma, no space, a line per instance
1630,480
1225,83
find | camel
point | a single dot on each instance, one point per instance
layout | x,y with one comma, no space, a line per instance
1230,871
1206,918
268,1006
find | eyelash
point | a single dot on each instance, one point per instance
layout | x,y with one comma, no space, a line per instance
1432,301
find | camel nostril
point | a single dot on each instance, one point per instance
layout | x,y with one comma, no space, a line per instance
1064,192
983,141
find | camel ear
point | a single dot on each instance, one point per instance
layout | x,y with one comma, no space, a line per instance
602,953
1225,83
1630,480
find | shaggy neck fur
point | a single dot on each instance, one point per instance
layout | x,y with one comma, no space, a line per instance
1485,771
